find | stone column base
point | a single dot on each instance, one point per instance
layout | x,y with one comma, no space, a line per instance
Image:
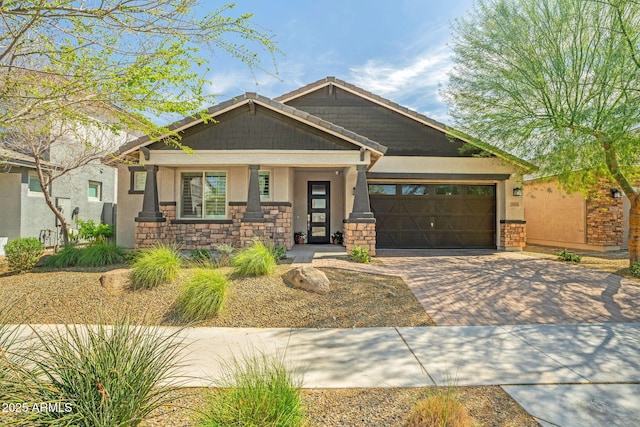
513,235
148,234
361,234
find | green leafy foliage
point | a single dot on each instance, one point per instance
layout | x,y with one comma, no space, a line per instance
360,254
89,230
100,254
154,266
200,255
565,255
279,252
23,253
634,269
66,257
203,295
108,375
254,260
255,391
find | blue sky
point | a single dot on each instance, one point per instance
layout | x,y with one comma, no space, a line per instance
397,50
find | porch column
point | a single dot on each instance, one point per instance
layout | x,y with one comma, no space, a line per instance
360,228
150,206
254,210
361,207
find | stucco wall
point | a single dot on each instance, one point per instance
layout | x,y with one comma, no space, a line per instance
9,200
554,217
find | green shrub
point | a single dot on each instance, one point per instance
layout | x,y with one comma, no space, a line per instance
279,252
89,230
100,254
200,255
203,295
154,266
360,254
565,255
23,253
254,260
66,257
107,375
634,269
257,391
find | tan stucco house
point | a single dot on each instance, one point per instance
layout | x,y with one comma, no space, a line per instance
598,220
327,157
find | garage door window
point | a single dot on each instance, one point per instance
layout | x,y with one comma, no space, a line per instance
480,190
448,190
384,189
415,190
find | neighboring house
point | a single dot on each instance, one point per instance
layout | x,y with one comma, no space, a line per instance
598,221
87,193
327,157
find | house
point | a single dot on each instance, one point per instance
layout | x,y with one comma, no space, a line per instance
87,192
596,221
327,157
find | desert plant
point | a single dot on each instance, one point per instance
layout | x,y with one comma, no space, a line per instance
634,269
224,254
102,375
154,266
279,251
441,408
100,254
565,255
89,230
203,295
11,366
254,260
360,254
23,253
66,257
255,391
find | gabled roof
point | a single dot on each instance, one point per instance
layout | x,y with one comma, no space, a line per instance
13,158
328,81
253,98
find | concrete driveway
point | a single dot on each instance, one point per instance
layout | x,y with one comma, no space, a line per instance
479,288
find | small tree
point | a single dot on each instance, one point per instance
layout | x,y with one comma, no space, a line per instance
556,81
72,70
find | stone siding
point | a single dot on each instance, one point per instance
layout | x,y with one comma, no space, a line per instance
361,234
513,235
207,234
605,216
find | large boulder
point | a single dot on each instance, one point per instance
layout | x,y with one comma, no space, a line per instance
116,281
308,278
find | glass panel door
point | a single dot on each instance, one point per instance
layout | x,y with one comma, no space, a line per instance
318,226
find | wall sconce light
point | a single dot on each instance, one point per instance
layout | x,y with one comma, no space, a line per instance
615,193
354,191
517,192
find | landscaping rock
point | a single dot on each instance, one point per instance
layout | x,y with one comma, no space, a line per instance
309,279
116,281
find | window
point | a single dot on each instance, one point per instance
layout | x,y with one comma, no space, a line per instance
264,181
387,189
95,191
138,179
448,190
415,190
34,184
204,195
480,190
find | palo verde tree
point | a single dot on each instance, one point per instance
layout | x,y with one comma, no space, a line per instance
556,82
99,67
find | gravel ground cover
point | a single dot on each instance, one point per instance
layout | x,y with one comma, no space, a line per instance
356,300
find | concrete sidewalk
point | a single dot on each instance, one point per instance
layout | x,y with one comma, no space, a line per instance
563,375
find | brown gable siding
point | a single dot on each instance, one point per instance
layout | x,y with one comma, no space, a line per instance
256,128
402,135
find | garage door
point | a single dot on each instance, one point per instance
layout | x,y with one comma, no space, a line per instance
434,215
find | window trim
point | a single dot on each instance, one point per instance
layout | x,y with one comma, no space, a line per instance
202,216
132,179
98,186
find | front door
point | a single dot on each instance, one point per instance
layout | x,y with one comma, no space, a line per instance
318,212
